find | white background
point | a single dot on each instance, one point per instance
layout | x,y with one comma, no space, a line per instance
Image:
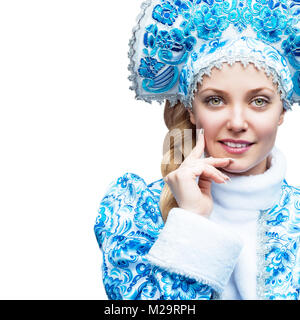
69,125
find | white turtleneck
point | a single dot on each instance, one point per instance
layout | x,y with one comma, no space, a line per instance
221,250
236,207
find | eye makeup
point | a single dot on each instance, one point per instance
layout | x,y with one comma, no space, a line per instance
216,101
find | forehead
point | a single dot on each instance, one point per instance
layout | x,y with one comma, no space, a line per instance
238,77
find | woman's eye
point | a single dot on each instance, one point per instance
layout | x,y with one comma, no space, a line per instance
215,101
260,102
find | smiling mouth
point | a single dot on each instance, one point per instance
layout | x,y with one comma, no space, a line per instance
236,145
236,148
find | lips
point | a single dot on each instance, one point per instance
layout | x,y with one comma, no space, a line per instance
236,142
236,146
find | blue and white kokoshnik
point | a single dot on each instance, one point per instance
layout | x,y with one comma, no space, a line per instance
176,42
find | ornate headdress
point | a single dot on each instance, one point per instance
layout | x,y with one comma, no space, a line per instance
176,42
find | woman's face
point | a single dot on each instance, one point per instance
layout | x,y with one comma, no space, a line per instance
239,109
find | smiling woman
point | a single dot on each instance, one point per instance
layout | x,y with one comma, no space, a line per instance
222,222
241,118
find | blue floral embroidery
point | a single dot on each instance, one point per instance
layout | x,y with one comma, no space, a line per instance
279,216
171,46
184,81
105,224
125,234
122,181
182,25
281,278
295,6
127,227
289,296
127,250
175,40
273,4
166,13
112,288
210,22
291,48
150,67
147,214
280,257
177,287
270,24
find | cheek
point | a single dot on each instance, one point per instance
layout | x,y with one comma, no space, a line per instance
210,122
265,129
213,125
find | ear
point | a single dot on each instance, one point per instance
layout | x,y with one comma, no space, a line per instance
192,117
281,118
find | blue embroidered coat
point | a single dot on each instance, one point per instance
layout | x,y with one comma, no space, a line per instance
129,222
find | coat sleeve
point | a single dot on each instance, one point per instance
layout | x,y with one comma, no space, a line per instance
143,258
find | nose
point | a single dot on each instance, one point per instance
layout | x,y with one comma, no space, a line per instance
236,119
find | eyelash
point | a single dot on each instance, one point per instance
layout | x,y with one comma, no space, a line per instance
208,99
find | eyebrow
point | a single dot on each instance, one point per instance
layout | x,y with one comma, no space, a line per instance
252,91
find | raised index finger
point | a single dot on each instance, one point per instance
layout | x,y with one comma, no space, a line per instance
198,150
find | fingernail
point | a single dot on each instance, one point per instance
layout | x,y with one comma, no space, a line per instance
226,177
201,131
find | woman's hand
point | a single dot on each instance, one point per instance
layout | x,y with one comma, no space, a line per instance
189,194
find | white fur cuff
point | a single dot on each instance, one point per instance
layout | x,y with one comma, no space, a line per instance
196,247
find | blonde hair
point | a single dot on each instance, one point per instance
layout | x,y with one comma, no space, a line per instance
178,118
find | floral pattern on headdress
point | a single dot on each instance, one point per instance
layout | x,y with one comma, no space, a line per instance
172,34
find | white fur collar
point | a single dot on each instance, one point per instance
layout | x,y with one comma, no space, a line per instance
254,192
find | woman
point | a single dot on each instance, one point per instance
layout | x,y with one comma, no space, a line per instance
223,222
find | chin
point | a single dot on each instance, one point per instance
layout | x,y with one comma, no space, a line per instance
236,172
245,170
237,169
